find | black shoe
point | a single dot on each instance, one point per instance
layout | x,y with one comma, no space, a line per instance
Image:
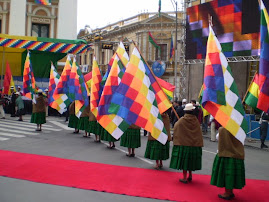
263,146
183,181
226,197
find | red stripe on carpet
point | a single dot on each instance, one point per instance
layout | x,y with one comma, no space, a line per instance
119,179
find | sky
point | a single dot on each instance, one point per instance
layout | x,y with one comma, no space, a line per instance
98,14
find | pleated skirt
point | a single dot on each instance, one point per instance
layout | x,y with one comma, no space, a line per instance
38,118
228,172
131,138
83,123
106,136
92,127
73,121
186,158
156,150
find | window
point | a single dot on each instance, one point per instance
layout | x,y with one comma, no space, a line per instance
40,30
85,58
91,59
103,58
163,56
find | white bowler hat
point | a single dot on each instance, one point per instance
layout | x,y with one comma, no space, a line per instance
17,93
197,103
189,107
46,90
184,100
40,91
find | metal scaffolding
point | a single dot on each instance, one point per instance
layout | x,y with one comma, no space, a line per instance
184,64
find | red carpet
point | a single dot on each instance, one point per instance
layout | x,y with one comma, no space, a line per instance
119,179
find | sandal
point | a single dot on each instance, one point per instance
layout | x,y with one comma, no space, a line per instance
189,179
156,168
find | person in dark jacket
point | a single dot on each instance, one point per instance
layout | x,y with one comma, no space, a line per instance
264,128
180,112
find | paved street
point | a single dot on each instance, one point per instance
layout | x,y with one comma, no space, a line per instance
58,140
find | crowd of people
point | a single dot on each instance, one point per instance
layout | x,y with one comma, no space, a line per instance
186,119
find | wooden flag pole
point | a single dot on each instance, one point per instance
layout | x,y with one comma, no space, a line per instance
156,80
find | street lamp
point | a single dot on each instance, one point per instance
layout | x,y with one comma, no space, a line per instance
175,68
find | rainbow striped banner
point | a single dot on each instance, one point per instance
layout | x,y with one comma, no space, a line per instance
43,2
44,46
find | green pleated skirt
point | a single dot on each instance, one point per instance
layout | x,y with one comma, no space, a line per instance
156,150
73,121
99,129
228,172
83,123
131,138
106,136
92,127
186,158
38,118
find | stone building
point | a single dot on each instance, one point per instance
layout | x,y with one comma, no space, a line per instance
135,29
26,18
189,73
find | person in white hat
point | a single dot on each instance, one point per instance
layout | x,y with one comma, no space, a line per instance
184,102
39,111
188,143
20,90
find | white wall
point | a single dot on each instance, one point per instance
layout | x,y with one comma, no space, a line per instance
67,19
17,17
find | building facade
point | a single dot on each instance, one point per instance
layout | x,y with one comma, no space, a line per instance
135,31
26,18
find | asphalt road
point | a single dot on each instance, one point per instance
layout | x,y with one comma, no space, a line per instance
58,140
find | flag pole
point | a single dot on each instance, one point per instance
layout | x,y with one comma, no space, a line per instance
156,80
249,87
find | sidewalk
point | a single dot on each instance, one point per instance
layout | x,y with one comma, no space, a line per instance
249,142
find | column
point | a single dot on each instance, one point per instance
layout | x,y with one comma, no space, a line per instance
17,17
